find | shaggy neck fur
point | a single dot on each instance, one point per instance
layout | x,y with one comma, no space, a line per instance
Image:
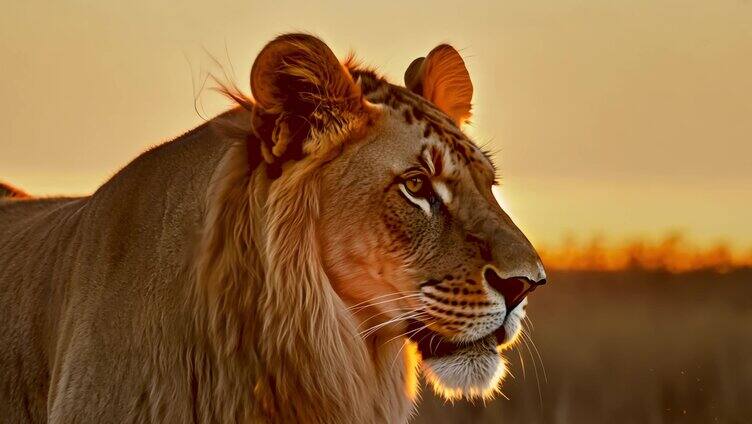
279,344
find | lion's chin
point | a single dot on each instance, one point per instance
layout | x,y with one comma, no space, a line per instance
471,371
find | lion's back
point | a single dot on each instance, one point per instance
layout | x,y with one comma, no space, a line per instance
30,246
87,289
75,307
94,316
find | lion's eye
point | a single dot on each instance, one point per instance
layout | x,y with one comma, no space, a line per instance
417,190
414,185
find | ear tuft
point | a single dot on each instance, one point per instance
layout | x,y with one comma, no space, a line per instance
296,73
442,78
301,89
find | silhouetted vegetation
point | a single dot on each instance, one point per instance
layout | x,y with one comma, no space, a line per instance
674,253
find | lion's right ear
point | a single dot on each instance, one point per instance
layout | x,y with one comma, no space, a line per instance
300,88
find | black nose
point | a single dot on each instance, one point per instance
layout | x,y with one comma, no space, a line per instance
514,289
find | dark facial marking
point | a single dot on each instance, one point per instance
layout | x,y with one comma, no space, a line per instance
408,117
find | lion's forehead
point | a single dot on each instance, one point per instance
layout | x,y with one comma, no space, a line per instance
445,150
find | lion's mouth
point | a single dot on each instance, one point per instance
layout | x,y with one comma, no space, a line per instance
433,345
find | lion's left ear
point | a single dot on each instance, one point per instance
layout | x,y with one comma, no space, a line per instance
442,78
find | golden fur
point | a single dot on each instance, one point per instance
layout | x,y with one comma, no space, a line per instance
263,267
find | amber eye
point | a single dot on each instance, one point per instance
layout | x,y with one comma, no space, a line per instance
414,185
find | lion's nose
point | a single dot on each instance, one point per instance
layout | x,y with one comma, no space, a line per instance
514,289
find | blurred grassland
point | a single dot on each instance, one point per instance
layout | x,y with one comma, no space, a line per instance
673,253
627,346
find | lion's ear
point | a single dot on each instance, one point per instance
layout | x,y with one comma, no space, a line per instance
300,86
442,78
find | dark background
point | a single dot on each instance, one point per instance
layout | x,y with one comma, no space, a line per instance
626,347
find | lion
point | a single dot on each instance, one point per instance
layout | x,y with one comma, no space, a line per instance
302,257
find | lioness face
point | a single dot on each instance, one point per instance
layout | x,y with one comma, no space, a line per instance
417,245
410,235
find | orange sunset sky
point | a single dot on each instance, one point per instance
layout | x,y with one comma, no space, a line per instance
621,118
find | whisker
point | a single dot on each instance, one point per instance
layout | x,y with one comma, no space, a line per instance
535,368
401,317
397,318
530,321
537,352
522,364
405,342
368,305
438,344
406,333
430,342
383,313
383,296
426,335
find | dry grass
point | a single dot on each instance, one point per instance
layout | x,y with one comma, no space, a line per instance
628,347
673,253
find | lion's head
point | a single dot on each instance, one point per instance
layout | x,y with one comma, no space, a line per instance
406,228
413,237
